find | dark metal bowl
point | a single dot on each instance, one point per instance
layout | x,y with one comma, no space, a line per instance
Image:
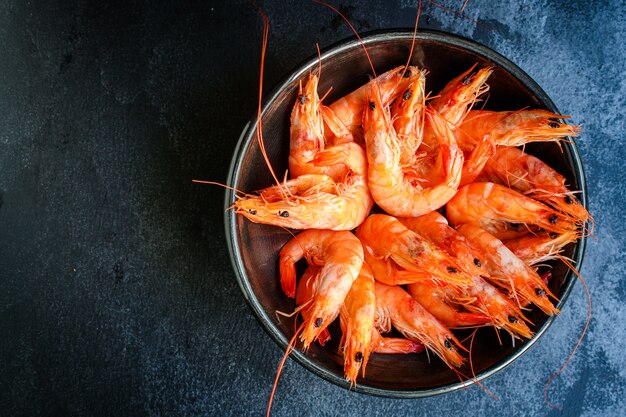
254,248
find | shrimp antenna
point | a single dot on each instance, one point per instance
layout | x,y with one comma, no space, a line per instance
417,18
580,339
281,365
228,187
259,129
353,30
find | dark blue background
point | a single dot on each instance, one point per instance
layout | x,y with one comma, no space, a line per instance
117,296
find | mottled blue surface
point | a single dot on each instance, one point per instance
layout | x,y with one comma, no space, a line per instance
116,292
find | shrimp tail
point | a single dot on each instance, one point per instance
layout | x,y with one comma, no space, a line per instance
287,271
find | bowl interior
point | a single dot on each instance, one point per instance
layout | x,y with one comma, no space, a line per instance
255,247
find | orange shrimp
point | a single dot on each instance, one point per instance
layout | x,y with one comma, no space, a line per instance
307,134
396,307
349,108
460,94
509,272
407,114
538,249
313,200
513,128
476,160
340,255
533,177
386,345
437,301
479,297
386,238
500,211
357,322
305,293
394,192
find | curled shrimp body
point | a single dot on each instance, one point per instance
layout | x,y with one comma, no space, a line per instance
502,211
313,200
340,256
396,307
535,250
394,192
480,297
507,271
384,237
533,177
357,323
349,108
512,128
476,160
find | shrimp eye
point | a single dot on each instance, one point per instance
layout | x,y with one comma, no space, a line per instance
515,225
358,357
318,322
540,292
283,213
372,105
554,125
553,219
568,199
553,235
407,94
447,344
302,99
452,270
467,79
407,73
477,262
513,319
252,211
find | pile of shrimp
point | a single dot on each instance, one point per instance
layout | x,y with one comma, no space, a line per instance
421,215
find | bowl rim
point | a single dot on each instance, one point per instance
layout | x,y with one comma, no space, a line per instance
571,152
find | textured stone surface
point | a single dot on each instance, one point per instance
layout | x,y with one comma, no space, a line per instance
117,295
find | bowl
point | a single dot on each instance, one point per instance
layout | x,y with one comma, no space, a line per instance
254,248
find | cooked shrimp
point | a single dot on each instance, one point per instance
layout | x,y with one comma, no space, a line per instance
460,94
509,272
349,108
307,135
479,297
395,193
385,237
500,211
392,345
435,299
538,249
512,128
396,307
407,114
315,201
533,177
357,323
305,293
340,255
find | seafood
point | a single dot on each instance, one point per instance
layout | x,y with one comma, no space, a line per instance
304,295
531,176
460,94
315,200
477,159
391,190
509,272
512,128
349,108
340,256
502,211
480,297
307,134
396,307
535,250
384,237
